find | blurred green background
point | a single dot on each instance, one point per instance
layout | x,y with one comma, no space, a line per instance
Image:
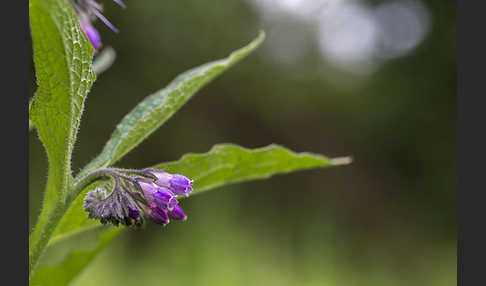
371,79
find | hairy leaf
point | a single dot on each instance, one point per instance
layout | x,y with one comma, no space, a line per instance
62,57
75,261
155,109
226,164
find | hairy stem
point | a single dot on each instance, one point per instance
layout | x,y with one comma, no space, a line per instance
38,248
89,178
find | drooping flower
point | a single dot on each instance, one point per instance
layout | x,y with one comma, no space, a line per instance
177,213
153,193
159,196
115,208
158,215
179,184
130,206
88,11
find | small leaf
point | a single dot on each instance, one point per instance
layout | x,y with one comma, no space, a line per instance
155,109
74,260
224,164
62,57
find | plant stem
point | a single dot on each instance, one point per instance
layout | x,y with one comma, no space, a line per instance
38,247
82,183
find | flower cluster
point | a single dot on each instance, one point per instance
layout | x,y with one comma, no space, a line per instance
152,192
88,11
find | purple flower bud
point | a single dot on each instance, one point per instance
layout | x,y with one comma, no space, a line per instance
130,206
163,178
93,202
98,211
165,199
88,11
105,211
158,215
116,209
177,213
179,184
162,197
147,187
90,31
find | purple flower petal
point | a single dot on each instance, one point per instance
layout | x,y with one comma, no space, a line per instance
130,206
148,188
178,213
159,216
165,199
179,184
107,23
120,3
90,32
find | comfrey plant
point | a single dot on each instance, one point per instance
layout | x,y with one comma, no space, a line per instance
101,200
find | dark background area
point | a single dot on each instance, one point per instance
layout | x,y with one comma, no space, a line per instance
387,219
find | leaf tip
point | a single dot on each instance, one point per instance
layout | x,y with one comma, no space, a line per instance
258,40
342,161
261,36
244,51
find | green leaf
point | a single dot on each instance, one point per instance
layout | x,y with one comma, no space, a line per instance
75,220
227,164
62,57
73,259
155,109
224,164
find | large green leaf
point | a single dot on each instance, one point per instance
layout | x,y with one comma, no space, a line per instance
62,57
155,109
74,259
227,164
224,164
